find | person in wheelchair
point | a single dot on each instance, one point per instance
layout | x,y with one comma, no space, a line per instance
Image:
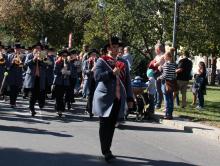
140,97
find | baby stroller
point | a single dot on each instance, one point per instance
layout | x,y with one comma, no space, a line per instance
141,100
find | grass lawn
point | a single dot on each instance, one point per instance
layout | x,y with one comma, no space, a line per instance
209,115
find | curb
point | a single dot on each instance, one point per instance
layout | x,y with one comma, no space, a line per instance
190,127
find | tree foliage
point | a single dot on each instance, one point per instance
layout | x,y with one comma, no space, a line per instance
139,23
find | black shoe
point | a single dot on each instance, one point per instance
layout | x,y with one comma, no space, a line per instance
168,117
33,113
59,114
13,106
109,157
69,106
91,116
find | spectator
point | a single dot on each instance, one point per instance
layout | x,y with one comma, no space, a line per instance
157,64
128,57
200,84
168,79
184,75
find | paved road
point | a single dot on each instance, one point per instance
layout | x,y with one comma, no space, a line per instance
46,140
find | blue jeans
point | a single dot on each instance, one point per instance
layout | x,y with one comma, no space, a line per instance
168,100
159,94
200,97
85,90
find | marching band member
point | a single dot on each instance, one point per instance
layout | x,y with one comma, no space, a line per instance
61,81
69,96
15,73
2,67
90,68
50,61
111,95
35,77
26,90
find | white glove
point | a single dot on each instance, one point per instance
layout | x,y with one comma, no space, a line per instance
52,88
63,71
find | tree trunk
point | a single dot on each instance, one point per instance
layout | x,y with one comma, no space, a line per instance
214,67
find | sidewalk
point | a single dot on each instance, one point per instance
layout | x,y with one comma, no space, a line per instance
191,127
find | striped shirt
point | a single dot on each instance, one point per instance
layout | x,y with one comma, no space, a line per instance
169,71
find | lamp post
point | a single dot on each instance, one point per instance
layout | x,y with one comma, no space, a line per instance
102,6
175,19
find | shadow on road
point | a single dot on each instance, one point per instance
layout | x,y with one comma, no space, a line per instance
31,131
144,128
30,158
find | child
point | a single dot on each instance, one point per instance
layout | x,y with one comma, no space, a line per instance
168,78
151,84
199,85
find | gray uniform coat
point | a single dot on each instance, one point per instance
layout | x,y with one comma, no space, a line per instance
30,73
105,92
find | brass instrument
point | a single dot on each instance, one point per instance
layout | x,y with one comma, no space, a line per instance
43,55
2,59
17,60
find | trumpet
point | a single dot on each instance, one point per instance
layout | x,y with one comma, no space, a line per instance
2,59
43,55
17,60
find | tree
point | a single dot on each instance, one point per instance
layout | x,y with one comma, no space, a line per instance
30,21
199,29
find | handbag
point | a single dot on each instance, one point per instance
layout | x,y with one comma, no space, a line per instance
171,85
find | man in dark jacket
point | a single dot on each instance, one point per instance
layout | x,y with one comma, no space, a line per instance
62,72
184,75
15,73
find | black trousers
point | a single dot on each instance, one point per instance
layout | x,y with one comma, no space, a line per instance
26,92
14,90
69,94
37,95
59,95
92,86
107,128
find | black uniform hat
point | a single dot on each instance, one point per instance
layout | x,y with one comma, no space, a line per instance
114,40
93,51
74,51
62,53
37,44
17,45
